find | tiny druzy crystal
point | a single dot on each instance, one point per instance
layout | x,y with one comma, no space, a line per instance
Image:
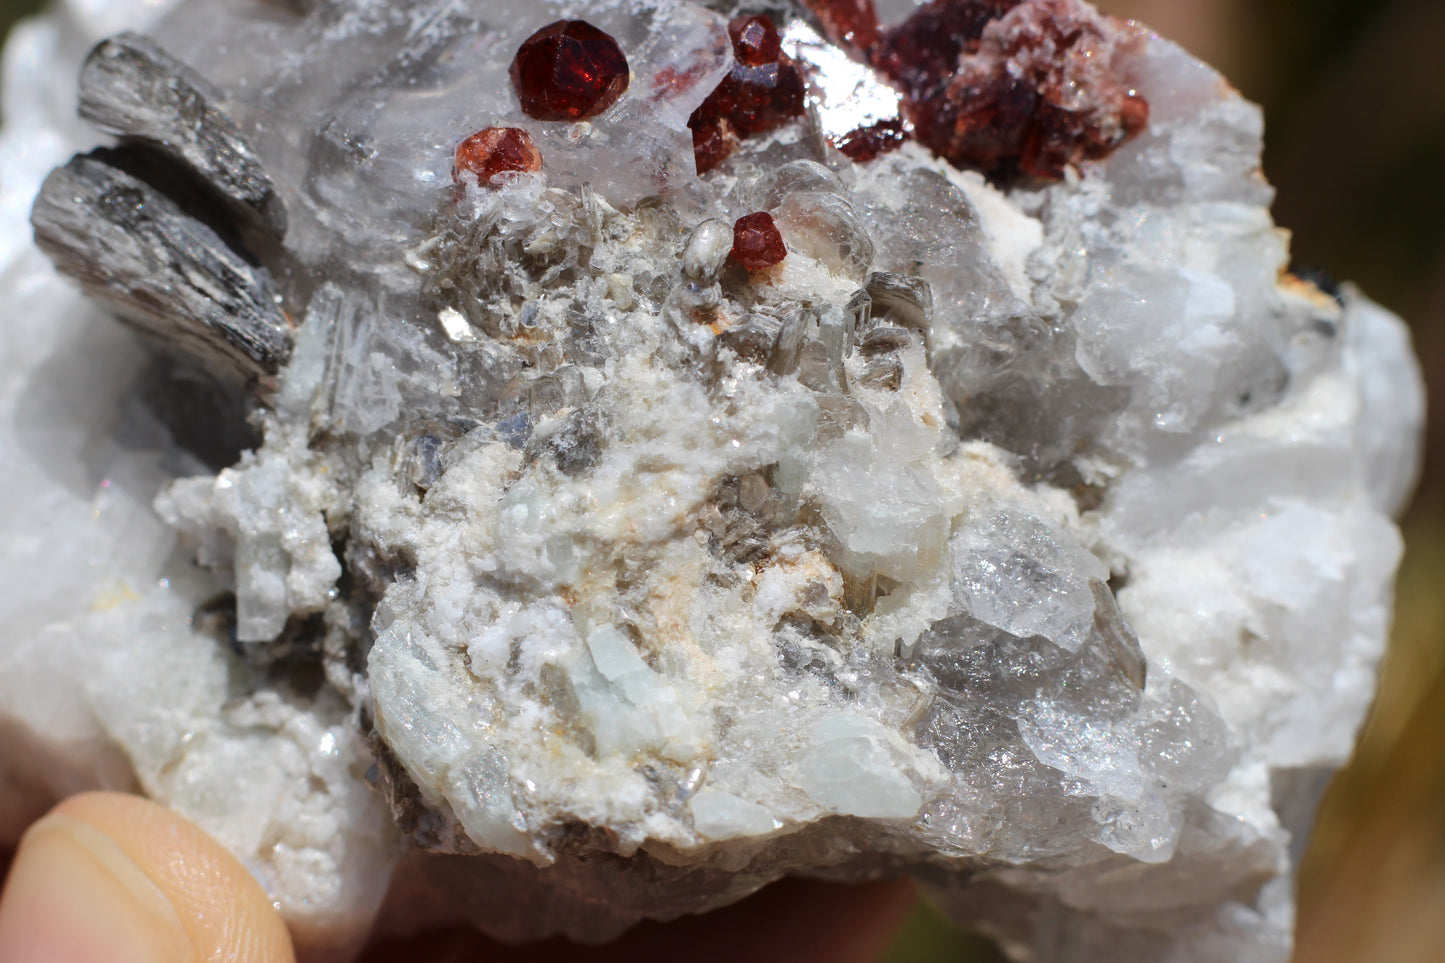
569,70
757,242
496,150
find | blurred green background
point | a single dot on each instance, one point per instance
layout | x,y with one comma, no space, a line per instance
1354,93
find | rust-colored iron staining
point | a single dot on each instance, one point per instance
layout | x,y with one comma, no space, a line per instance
569,70
496,150
1004,86
764,90
757,242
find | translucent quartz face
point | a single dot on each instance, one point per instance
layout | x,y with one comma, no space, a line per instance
557,491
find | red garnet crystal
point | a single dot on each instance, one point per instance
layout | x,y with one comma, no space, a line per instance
763,90
494,151
757,243
569,70
865,143
757,99
755,40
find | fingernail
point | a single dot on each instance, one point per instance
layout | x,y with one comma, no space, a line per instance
74,896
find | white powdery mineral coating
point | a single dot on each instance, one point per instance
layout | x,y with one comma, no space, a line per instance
1171,442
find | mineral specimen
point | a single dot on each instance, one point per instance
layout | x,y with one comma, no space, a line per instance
499,548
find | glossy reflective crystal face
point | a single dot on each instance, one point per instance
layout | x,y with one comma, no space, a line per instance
569,70
493,151
763,91
757,243
614,538
997,85
755,40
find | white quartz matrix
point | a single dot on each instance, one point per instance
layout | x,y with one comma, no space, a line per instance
583,577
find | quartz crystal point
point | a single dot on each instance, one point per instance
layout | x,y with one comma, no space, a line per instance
507,553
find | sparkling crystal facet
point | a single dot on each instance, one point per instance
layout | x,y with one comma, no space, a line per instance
569,70
755,40
494,151
763,91
757,243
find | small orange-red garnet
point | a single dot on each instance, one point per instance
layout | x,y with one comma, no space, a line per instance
496,150
569,70
757,243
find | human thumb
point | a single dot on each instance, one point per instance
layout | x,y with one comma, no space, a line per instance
108,878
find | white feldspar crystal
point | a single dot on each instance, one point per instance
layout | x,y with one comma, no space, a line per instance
1033,537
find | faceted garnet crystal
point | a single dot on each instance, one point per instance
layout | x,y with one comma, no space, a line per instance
757,243
756,41
763,91
496,150
569,70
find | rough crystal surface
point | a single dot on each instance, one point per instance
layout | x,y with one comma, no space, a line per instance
1029,535
496,150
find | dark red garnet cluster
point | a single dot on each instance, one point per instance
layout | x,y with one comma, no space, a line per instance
1005,86
757,242
764,90
1035,95
569,71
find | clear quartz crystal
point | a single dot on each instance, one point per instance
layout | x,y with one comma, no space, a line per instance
1031,536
